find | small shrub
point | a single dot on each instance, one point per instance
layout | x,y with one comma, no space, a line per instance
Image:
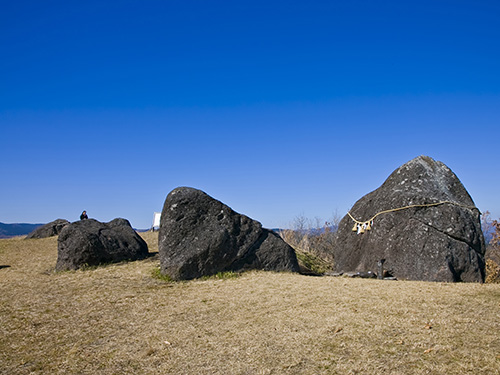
156,273
222,275
492,272
313,243
491,231
93,267
310,263
492,256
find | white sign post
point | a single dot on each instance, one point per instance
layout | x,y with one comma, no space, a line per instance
156,221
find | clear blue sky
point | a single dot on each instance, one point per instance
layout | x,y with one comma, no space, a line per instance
276,108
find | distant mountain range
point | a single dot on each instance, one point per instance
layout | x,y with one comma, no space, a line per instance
11,230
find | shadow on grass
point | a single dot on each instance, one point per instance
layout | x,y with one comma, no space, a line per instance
3,266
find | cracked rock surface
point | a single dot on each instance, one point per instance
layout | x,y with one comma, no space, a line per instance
439,243
200,236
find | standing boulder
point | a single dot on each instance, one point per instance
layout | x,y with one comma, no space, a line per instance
48,230
421,221
200,236
91,243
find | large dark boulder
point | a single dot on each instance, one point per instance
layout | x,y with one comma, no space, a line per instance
91,243
200,236
443,242
48,230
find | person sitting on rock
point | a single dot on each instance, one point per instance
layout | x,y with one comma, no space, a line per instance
84,216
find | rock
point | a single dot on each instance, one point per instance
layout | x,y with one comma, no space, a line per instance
48,230
201,236
365,275
361,274
333,274
438,243
91,243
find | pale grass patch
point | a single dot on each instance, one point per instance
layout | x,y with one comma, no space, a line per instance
119,319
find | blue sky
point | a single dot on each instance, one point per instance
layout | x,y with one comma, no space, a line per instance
276,108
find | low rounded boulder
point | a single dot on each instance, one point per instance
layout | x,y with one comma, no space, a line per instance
48,230
92,243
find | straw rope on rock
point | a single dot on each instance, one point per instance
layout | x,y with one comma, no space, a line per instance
362,226
422,221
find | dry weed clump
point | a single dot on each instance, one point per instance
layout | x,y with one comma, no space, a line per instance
492,272
313,243
310,259
119,319
492,256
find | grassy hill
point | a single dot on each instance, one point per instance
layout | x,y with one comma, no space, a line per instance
119,319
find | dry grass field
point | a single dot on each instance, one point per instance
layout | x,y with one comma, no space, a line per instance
119,319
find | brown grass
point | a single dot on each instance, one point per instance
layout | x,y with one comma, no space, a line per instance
119,319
